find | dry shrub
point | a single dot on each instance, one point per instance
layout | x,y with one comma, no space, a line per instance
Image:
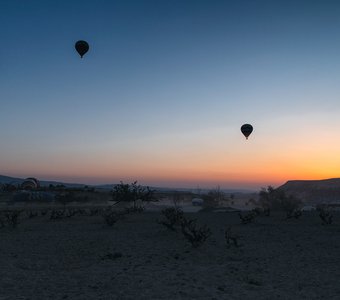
194,234
11,218
132,193
94,211
134,209
248,218
70,212
111,217
44,212
230,236
213,199
295,213
266,211
31,214
277,199
2,222
173,217
258,211
57,214
325,216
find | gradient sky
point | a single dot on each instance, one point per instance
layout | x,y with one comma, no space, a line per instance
164,89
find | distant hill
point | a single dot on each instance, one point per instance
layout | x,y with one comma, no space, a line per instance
314,191
15,181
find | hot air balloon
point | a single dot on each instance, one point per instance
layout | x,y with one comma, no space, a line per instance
246,129
30,183
82,47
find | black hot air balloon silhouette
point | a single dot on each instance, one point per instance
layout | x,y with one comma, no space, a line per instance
246,129
82,47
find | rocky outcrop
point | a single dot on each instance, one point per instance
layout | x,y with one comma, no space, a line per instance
314,191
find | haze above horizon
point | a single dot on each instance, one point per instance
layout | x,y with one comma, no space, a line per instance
164,89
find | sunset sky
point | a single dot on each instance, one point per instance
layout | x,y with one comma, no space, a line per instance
164,89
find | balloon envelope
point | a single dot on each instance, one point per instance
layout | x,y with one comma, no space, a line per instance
82,47
246,129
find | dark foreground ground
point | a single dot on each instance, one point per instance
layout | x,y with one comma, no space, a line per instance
83,258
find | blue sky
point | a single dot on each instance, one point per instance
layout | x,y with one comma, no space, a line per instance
164,89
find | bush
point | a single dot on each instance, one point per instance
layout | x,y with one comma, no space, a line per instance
57,214
32,214
129,210
71,212
295,213
248,218
276,199
325,216
94,211
111,217
231,237
195,235
132,193
2,222
213,198
173,216
12,217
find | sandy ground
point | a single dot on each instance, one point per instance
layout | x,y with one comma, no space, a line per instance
83,258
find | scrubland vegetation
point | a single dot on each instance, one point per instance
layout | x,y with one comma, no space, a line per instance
272,250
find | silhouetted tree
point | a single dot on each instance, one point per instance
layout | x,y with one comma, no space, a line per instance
132,193
8,187
213,198
276,199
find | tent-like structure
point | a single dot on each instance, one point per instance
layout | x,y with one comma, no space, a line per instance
30,183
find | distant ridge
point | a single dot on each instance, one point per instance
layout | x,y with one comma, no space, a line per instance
8,179
16,180
314,191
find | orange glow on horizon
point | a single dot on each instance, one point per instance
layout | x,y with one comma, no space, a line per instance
258,162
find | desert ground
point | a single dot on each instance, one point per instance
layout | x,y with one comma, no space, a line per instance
81,257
